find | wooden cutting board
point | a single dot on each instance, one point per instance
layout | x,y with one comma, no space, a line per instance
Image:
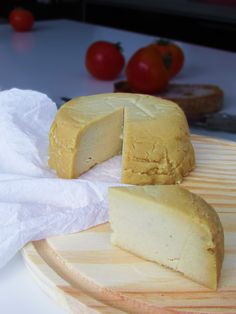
85,274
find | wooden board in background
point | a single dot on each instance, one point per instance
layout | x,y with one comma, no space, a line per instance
86,274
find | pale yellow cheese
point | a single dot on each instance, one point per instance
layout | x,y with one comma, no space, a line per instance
156,145
171,226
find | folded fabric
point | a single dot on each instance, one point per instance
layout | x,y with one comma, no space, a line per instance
34,202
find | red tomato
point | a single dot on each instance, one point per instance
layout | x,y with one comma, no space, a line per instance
104,60
146,72
172,54
21,20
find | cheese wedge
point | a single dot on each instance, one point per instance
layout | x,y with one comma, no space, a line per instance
152,134
171,226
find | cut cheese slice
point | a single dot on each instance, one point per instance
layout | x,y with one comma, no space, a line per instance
171,226
156,146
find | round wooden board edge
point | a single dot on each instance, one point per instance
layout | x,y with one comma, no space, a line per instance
215,140
46,278
113,301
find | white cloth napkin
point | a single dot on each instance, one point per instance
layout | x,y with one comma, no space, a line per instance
34,202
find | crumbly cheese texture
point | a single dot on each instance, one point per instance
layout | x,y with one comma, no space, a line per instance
152,134
171,226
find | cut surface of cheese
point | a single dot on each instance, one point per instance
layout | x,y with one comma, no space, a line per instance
156,146
171,226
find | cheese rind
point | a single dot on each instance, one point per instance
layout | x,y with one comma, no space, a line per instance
170,226
156,142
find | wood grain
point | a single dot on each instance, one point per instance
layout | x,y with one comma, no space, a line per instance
86,274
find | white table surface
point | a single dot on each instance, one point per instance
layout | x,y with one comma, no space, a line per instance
50,59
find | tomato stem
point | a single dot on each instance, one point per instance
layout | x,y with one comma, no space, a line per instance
162,42
119,46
